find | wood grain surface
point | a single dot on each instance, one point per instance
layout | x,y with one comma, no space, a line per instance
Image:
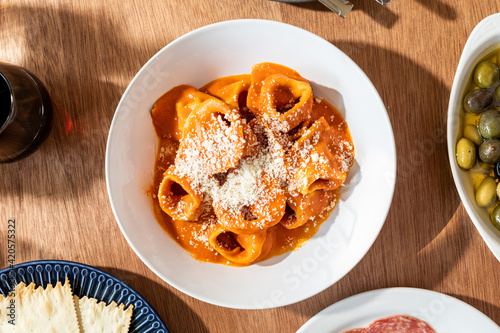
87,52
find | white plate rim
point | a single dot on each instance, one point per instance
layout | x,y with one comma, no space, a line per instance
435,308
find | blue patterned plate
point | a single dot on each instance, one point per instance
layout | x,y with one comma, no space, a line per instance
85,281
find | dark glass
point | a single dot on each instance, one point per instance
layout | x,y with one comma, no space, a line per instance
5,101
25,113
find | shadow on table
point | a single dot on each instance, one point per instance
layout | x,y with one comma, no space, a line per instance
17,249
386,16
425,195
381,14
168,306
81,56
420,241
440,8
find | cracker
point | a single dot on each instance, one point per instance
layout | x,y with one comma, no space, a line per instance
7,314
45,310
98,317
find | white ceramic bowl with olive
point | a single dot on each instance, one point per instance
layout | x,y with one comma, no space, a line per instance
474,130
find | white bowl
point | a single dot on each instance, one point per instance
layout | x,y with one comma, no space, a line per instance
229,48
483,40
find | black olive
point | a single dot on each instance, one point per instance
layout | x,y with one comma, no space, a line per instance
478,100
496,170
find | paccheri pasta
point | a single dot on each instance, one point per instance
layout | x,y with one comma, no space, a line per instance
248,166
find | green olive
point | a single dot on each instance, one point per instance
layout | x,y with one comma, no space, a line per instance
497,92
471,133
486,74
495,217
478,100
466,153
489,151
486,193
489,124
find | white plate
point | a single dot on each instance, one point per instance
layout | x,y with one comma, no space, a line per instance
444,313
484,39
229,48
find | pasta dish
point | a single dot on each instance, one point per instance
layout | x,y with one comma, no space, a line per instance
248,166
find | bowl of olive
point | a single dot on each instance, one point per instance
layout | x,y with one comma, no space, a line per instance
474,130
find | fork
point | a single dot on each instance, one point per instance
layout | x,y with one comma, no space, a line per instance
341,7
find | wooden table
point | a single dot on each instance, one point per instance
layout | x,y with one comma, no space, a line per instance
88,51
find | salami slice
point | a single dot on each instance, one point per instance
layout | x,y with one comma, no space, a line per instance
355,330
399,324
